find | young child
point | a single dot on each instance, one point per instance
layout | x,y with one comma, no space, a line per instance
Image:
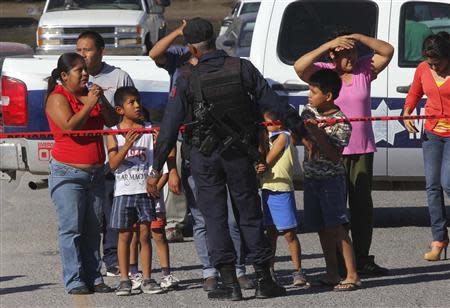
324,183
131,157
280,214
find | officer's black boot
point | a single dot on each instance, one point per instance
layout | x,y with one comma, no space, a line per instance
265,286
230,289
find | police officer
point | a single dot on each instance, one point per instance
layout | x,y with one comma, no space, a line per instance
214,97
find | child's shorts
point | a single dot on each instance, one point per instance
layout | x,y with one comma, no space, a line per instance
279,209
325,202
131,209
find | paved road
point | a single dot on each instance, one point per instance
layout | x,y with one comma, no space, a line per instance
30,271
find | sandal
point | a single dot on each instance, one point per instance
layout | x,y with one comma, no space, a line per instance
323,282
347,286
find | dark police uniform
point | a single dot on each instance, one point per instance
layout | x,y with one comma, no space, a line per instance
231,167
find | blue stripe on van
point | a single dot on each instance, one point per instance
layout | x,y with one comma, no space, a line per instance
402,138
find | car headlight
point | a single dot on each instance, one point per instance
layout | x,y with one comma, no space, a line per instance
128,29
49,42
44,30
135,41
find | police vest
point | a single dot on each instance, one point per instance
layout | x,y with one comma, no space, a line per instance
223,100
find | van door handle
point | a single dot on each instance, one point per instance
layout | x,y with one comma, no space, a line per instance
403,89
290,87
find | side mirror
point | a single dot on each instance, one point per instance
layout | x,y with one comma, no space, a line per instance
228,43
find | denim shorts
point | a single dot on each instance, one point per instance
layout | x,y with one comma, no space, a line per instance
128,210
325,202
279,209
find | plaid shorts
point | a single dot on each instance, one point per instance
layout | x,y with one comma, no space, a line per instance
130,209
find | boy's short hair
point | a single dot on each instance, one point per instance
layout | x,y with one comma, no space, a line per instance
271,114
326,80
122,93
95,36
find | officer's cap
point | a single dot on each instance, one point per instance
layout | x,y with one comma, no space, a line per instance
198,30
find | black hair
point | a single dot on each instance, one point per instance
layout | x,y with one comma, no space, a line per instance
437,46
96,37
339,31
66,62
122,93
272,115
327,81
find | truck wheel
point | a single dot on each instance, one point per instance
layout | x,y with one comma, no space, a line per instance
148,43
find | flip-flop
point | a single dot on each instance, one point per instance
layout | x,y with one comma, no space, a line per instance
347,286
322,282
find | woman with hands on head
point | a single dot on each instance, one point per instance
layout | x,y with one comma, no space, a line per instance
76,180
356,74
432,79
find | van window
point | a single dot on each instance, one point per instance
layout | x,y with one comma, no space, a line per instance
417,21
63,5
251,7
308,24
246,34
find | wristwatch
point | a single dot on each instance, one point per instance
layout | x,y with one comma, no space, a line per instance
154,173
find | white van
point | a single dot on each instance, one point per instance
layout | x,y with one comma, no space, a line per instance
294,28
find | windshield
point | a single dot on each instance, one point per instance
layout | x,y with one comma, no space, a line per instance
61,5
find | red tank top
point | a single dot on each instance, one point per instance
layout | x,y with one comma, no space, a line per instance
78,150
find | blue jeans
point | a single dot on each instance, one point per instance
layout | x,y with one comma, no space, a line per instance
110,235
199,228
78,197
436,157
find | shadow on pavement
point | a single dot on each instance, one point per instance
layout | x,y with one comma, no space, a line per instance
403,217
421,269
8,278
22,289
391,217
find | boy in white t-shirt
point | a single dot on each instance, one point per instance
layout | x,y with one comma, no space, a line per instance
131,158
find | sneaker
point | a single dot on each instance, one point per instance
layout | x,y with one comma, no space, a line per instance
149,286
371,269
112,271
136,280
124,288
298,279
169,282
174,235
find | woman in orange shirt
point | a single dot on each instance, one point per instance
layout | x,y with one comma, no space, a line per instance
432,78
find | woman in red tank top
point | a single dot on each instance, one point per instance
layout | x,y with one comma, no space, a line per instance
76,180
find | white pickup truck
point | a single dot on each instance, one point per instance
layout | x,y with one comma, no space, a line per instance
129,27
284,30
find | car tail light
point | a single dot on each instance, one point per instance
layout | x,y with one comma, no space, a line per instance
15,113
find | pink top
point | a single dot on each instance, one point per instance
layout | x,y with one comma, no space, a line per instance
354,101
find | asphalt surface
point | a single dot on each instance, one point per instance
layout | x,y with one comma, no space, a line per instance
30,270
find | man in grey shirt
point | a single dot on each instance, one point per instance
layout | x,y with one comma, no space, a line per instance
91,46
